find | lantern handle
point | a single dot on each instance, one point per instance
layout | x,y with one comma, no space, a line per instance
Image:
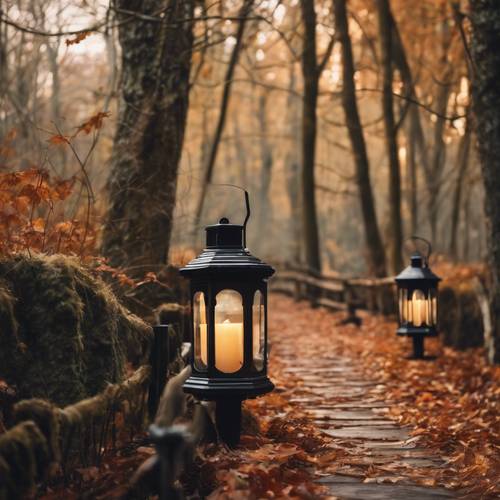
429,247
247,205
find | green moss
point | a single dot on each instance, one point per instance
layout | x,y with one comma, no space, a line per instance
74,335
24,457
44,415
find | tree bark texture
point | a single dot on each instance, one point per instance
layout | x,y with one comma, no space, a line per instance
311,73
156,62
485,17
385,33
375,254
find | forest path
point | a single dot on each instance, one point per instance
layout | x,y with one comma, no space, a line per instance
377,456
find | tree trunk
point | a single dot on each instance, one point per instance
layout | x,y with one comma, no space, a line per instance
385,33
438,155
266,158
240,153
310,72
485,18
226,94
376,255
156,61
413,129
462,163
292,166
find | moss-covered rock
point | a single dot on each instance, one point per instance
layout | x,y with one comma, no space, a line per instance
460,317
67,336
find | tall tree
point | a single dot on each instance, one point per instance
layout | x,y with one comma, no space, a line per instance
311,72
292,159
485,18
376,255
266,157
461,162
156,62
226,94
386,50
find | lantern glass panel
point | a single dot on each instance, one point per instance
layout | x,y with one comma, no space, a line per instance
228,331
433,306
404,309
200,331
258,334
419,313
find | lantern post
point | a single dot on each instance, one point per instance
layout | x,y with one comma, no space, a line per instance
418,300
228,288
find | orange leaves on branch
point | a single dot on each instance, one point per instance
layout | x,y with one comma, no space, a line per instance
27,215
93,123
78,38
58,139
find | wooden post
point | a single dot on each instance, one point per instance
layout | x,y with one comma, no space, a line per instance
158,359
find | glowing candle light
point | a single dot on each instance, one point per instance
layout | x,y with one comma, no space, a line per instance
228,346
419,308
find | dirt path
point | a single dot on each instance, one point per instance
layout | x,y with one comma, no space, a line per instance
377,459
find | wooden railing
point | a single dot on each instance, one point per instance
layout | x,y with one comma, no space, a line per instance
336,291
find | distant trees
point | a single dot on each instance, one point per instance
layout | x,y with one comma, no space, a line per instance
156,63
373,240
311,72
485,18
385,28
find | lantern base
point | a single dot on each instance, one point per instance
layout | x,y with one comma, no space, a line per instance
214,389
417,331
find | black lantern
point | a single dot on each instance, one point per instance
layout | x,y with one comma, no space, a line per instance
418,300
229,318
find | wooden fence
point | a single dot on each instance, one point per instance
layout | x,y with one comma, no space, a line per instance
336,291
42,437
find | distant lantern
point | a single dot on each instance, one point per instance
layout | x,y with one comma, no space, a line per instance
418,301
229,320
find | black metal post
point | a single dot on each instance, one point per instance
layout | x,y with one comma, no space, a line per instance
418,347
158,359
228,420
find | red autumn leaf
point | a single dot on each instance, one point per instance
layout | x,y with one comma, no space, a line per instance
93,123
58,139
38,225
78,38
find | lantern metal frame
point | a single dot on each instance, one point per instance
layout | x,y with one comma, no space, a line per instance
226,264
418,276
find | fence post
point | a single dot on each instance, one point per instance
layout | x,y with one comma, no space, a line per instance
170,444
158,358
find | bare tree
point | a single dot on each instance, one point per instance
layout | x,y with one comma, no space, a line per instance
266,158
376,255
156,62
311,72
226,94
386,35
485,18
462,163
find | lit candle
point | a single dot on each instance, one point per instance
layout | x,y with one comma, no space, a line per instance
419,308
228,345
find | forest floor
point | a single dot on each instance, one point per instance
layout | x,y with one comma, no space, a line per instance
350,418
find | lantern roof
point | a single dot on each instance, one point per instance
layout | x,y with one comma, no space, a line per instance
417,270
226,251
